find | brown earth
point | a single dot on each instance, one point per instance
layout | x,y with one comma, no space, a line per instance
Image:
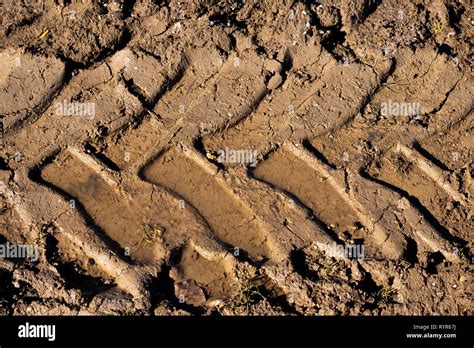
134,208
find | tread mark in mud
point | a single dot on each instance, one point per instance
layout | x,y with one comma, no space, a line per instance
194,179
83,179
319,190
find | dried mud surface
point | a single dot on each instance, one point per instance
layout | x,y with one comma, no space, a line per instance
134,212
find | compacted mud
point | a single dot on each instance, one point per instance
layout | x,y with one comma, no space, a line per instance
204,157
